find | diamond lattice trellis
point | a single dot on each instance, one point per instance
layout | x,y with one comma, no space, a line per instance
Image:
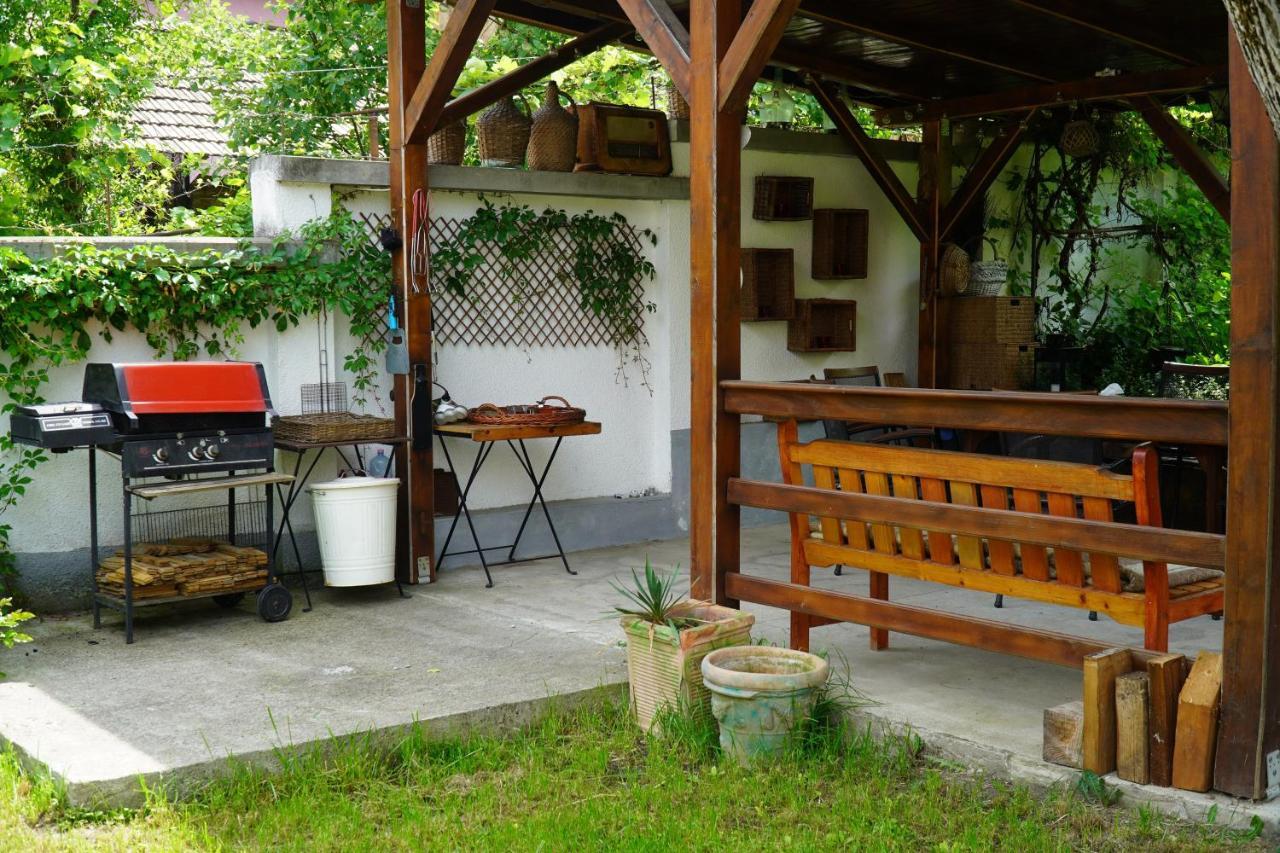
526,303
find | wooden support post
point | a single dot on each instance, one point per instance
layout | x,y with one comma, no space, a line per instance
1165,675
1250,726
876,165
983,175
1133,699
1100,673
406,61
435,84
932,196
1198,724
1186,153
715,211
670,42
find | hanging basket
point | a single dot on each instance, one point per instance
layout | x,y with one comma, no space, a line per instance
954,270
553,139
987,278
1080,138
503,132
539,414
446,146
677,106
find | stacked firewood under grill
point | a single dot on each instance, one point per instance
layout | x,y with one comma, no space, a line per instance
192,566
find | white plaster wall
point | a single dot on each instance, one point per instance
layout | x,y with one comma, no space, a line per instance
632,454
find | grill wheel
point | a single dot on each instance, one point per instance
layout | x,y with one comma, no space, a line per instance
274,603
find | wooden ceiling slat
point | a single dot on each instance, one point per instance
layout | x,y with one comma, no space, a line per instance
864,17
1113,23
1046,95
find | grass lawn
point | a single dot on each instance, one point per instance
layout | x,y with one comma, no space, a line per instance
587,779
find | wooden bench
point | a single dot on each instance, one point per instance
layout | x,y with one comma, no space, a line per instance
1005,566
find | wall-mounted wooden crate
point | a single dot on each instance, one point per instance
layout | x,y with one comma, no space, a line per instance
782,199
839,243
823,325
768,284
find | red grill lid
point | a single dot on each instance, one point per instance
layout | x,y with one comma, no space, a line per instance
189,387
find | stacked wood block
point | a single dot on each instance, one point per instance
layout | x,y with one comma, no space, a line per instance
1149,721
992,342
184,567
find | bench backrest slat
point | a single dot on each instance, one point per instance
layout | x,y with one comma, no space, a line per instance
1065,489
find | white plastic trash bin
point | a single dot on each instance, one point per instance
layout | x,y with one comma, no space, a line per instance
356,526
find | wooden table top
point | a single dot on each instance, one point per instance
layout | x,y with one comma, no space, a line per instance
490,432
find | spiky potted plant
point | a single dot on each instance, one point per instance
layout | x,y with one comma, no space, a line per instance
667,638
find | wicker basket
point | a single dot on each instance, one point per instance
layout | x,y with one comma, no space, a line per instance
503,132
768,284
538,415
954,271
992,320
677,106
332,426
446,146
823,325
987,278
1080,138
553,139
782,199
839,244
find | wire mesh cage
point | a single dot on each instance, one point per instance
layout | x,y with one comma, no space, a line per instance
214,521
324,397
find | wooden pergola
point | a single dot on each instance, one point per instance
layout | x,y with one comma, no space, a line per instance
926,64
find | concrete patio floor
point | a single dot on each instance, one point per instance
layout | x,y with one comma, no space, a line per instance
201,684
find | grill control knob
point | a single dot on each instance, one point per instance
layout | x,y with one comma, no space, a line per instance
213,451
161,455
196,453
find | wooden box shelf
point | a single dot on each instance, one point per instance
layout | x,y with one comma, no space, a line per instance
782,199
768,284
839,244
823,325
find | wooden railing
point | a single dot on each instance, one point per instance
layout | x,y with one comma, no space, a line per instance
1086,415
1119,418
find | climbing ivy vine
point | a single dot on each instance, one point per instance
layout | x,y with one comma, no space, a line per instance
187,304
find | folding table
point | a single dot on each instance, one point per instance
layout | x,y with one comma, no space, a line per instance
488,436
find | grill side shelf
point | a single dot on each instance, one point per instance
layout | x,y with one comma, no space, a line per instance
149,491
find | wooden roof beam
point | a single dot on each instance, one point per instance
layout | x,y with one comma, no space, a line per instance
983,174
1187,153
451,53
665,35
1112,23
860,17
877,166
1118,87
490,93
750,50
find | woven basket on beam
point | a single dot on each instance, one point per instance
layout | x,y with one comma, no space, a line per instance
553,139
503,132
446,146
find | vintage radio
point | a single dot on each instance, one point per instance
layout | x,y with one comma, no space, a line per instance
628,140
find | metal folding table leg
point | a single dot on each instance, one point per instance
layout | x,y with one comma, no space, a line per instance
463,511
536,481
286,506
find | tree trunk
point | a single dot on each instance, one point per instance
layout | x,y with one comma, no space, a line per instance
1257,26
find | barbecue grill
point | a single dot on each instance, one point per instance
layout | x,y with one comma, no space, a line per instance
200,425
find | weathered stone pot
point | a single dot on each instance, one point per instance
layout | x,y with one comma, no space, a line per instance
759,695
664,665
